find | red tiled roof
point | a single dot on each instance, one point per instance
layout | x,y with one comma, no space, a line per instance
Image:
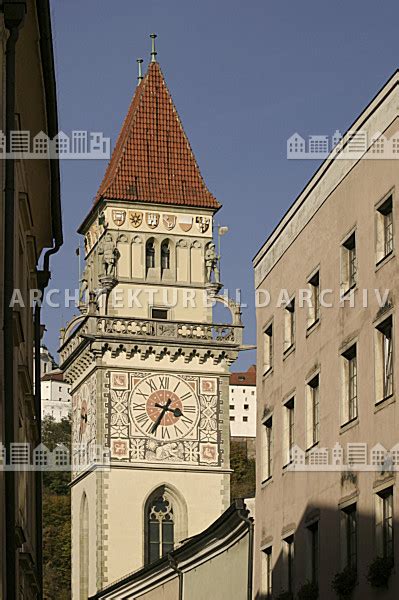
152,160
55,375
245,378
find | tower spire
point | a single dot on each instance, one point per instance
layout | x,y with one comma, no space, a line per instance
140,75
154,53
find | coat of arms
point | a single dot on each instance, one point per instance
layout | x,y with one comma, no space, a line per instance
135,218
118,217
185,223
169,221
202,223
152,220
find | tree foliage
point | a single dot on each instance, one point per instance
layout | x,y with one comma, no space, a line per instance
243,476
56,517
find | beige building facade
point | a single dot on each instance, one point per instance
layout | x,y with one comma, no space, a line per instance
30,223
149,371
327,373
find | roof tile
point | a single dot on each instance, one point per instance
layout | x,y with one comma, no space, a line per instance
152,160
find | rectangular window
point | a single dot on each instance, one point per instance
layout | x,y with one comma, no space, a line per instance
384,360
267,455
313,532
245,419
159,313
288,439
384,523
268,348
314,304
348,263
246,406
232,418
349,382
288,553
349,536
384,229
312,411
267,573
231,406
289,325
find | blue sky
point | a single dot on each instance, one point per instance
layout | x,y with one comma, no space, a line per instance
244,76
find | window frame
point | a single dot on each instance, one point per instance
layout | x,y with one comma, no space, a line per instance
289,325
313,316
268,347
313,410
267,449
349,391
384,363
349,262
383,209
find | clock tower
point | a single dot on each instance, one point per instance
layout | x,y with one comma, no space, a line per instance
148,367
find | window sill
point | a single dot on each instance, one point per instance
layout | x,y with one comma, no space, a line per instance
348,290
287,466
312,327
349,425
383,403
266,482
312,446
267,372
384,260
288,351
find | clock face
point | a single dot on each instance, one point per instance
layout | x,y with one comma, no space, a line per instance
164,407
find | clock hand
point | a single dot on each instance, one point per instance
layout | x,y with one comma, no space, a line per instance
161,415
176,411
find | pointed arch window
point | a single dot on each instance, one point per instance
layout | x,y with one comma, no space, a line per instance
150,254
165,255
160,521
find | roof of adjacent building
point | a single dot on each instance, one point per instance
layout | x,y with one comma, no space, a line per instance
56,375
244,378
152,160
232,526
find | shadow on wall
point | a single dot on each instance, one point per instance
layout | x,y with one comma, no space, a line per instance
324,543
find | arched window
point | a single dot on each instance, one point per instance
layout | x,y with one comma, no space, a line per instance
165,255
150,254
160,523
165,518
84,549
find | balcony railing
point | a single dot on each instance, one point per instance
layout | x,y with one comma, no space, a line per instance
94,326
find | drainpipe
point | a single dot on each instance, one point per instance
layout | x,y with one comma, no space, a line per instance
243,515
173,565
14,13
43,276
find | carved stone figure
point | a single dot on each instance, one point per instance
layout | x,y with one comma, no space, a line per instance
212,264
84,284
110,255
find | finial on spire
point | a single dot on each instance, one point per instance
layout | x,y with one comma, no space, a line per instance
140,75
153,51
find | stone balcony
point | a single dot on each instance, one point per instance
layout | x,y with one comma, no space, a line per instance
90,328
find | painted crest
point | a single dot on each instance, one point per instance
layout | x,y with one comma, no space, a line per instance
152,220
119,217
135,218
185,223
169,221
202,223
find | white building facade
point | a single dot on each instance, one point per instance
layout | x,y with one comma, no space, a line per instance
56,399
242,404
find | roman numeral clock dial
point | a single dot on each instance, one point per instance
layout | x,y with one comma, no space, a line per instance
164,407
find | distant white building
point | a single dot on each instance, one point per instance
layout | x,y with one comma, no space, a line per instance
56,399
242,404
